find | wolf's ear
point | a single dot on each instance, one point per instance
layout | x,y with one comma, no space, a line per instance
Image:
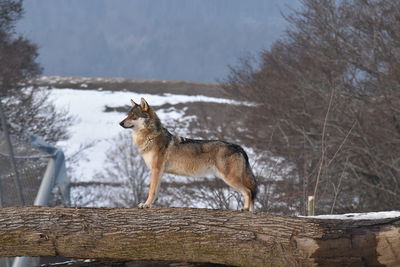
144,105
133,103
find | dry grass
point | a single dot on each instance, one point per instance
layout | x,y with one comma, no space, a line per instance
150,86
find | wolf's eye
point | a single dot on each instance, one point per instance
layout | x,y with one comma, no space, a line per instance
133,117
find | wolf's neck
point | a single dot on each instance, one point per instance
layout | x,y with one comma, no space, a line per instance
144,138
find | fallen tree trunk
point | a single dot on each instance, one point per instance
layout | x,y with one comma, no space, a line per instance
197,235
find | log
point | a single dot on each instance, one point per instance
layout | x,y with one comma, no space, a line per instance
197,235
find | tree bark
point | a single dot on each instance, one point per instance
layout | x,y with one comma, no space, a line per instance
197,235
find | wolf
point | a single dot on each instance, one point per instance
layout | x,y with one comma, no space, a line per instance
165,153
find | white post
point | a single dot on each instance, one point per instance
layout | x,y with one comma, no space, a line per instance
310,206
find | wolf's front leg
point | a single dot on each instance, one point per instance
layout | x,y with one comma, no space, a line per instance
153,191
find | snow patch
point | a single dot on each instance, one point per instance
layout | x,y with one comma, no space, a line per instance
359,216
96,127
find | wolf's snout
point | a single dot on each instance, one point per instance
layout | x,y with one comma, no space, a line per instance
122,124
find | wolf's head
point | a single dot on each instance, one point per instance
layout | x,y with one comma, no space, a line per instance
140,117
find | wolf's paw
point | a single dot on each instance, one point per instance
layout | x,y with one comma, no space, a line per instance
144,206
249,210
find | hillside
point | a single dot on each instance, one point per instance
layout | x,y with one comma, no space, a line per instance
149,86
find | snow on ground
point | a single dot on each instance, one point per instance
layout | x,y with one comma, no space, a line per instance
96,127
360,216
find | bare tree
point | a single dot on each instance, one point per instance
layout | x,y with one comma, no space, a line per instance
123,182
328,102
25,105
17,54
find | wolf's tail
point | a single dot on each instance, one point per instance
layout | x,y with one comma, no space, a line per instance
248,178
253,185
251,181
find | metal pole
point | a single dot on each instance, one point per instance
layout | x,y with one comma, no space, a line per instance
44,192
11,151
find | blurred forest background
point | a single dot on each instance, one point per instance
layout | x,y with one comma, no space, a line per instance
326,120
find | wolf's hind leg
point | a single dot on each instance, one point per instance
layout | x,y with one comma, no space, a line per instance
248,199
235,183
